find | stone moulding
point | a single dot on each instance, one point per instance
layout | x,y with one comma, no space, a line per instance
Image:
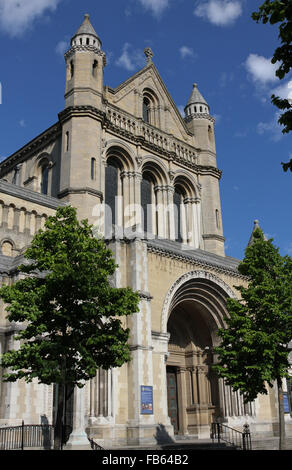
29,195
36,144
182,280
85,190
161,251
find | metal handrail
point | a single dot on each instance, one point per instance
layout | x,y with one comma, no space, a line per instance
94,445
26,435
238,439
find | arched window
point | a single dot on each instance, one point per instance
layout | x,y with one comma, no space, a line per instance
147,201
178,198
7,248
146,110
44,178
71,69
67,141
93,169
217,217
113,195
94,68
150,107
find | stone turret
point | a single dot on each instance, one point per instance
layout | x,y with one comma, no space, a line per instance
196,103
85,62
201,124
81,121
199,121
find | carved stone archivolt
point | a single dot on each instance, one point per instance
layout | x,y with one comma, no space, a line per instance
192,275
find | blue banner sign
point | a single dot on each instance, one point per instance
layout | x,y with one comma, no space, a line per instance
286,403
146,400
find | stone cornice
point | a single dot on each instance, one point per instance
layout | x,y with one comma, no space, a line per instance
83,190
81,110
33,146
85,48
213,236
209,170
29,195
90,111
199,116
197,259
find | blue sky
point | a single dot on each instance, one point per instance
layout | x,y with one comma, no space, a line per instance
214,43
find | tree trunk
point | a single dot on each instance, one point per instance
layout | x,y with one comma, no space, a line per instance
282,437
58,433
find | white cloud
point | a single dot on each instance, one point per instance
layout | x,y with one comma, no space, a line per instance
22,123
16,16
186,51
261,69
284,91
155,6
219,12
131,59
62,47
272,128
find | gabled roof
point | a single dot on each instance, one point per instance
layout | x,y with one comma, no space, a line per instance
151,67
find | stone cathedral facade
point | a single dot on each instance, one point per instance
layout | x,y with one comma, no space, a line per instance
148,180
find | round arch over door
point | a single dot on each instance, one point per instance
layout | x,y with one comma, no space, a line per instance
196,308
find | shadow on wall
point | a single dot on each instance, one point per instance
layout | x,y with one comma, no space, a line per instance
162,436
47,443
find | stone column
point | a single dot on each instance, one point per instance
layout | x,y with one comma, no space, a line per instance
170,233
195,385
27,222
126,197
161,211
182,405
137,199
16,219
38,222
141,427
5,212
78,438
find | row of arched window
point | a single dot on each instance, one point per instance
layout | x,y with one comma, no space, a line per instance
165,211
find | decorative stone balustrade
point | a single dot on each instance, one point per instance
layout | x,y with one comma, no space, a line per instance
149,136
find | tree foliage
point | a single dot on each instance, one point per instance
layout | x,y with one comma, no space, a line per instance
280,11
254,347
69,312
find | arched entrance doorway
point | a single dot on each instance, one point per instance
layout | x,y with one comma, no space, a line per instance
196,309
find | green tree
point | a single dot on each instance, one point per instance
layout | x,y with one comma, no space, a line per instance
280,11
253,352
70,312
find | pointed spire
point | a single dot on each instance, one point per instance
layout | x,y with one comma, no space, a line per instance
196,96
196,103
255,227
86,31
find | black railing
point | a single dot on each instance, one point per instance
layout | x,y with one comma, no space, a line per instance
94,445
26,436
233,437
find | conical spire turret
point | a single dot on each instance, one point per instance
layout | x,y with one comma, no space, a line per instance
255,227
86,35
196,103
